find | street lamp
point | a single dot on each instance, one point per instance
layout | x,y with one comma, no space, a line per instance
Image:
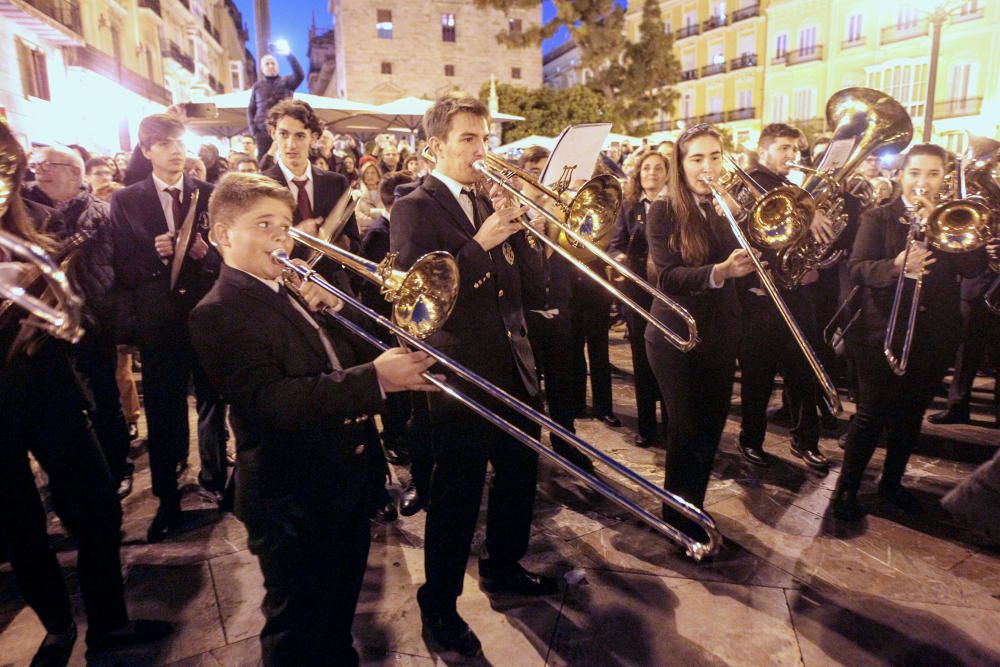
936,12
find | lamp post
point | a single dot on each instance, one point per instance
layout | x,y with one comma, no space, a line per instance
937,16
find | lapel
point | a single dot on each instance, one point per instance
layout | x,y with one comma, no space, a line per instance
896,231
442,195
275,302
154,222
324,198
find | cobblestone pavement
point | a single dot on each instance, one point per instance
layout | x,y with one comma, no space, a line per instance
790,587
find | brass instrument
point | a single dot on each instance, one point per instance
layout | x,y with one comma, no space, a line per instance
960,225
411,333
585,221
779,200
61,320
864,120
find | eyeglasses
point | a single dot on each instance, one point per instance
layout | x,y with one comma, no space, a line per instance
49,164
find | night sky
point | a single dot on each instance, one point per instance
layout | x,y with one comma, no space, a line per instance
291,19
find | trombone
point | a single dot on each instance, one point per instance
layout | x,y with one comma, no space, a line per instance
412,332
826,384
61,320
960,225
583,221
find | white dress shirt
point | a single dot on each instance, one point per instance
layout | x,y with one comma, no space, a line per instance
167,201
310,188
456,190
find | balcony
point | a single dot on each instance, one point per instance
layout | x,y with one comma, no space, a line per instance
746,13
712,70
64,12
714,22
689,75
807,55
895,33
174,53
101,63
852,43
747,113
687,31
151,5
955,108
744,61
969,16
713,117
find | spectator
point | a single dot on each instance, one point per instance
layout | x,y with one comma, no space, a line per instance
370,206
267,92
99,171
246,165
215,167
195,167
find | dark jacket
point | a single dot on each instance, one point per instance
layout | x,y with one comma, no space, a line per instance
270,90
147,312
486,331
629,238
374,247
716,311
297,420
881,237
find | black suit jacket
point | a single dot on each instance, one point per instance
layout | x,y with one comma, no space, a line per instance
147,312
486,331
297,421
881,237
716,311
630,238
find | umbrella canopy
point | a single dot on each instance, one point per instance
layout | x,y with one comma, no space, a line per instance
232,108
534,140
409,112
620,139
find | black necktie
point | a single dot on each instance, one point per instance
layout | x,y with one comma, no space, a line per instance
706,209
476,219
175,194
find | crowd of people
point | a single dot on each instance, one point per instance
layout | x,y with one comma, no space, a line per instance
174,257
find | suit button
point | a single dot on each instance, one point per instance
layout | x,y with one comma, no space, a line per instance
182,291
510,335
359,450
500,293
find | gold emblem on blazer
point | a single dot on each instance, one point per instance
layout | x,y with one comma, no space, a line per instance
508,252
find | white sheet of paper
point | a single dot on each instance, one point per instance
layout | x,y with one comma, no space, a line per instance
578,146
836,155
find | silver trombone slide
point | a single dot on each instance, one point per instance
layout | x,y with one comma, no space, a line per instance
694,549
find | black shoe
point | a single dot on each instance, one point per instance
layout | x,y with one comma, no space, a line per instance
136,631
842,441
813,458
574,456
754,455
514,580
901,497
125,486
210,494
845,505
412,501
643,441
448,630
55,649
949,416
779,415
610,420
166,521
133,432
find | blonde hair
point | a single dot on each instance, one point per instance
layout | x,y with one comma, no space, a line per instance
238,191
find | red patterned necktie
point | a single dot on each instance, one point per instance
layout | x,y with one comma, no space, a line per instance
305,208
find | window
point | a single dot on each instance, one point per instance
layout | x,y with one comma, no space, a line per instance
690,19
967,8
781,45
447,27
667,28
744,99
687,105
907,18
34,72
779,109
236,74
854,33
746,45
383,23
515,73
449,70
720,10
386,68
804,104
807,41
905,80
962,82
514,28
715,104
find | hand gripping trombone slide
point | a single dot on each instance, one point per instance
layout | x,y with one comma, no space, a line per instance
406,336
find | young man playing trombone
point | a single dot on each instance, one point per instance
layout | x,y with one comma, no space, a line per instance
308,460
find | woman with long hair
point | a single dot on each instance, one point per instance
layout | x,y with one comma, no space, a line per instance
646,184
696,260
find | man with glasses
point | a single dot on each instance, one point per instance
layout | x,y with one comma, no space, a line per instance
98,171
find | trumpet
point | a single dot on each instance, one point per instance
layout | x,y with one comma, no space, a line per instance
960,225
413,337
585,221
61,320
830,394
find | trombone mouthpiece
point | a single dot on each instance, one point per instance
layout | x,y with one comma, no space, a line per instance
279,256
706,178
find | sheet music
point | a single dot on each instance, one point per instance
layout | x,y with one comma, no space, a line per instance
577,146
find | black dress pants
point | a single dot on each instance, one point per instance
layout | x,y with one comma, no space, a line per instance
590,317
891,404
43,411
647,392
551,343
96,362
463,445
982,337
697,389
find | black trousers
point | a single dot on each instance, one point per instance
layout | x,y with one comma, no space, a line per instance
647,392
263,141
697,389
982,337
463,445
421,442
551,344
166,376
766,347
891,404
313,558
590,318
96,362
43,411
